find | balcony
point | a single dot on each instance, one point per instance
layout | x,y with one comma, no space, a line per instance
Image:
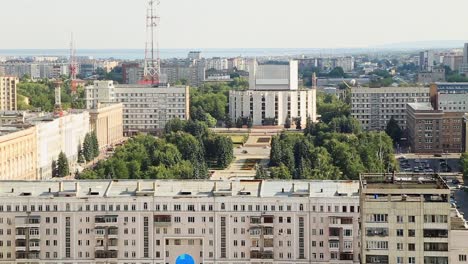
27,255
376,231
106,220
27,221
103,254
162,220
261,254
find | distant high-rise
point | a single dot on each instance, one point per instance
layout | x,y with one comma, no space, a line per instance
465,54
426,60
8,93
194,55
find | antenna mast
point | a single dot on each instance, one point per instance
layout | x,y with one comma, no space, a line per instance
152,69
73,67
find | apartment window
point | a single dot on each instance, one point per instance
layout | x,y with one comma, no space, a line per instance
411,232
191,219
348,232
412,260
399,246
411,247
399,232
462,258
412,219
399,260
399,219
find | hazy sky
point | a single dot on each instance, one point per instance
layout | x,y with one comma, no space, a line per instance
231,23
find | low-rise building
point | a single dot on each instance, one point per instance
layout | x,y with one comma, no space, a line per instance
7,117
436,75
18,152
434,131
374,107
161,221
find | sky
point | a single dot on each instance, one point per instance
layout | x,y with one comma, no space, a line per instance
119,24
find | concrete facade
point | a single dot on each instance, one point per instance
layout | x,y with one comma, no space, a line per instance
55,135
374,107
434,131
264,106
18,152
405,218
98,93
8,93
273,77
147,109
107,122
157,221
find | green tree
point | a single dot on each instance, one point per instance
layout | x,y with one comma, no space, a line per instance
249,122
298,122
95,144
239,122
280,172
337,73
63,168
228,121
174,125
393,130
260,172
88,148
287,123
464,163
80,154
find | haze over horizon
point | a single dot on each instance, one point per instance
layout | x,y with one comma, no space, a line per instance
205,24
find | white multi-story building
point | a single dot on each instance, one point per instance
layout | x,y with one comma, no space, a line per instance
145,108
374,107
217,63
408,219
55,135
426,60
346,63
163,221
8,100
273,96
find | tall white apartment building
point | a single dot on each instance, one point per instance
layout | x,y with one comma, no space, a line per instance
426,60
163,221
217,63
145,108
374,107
273,96
8,93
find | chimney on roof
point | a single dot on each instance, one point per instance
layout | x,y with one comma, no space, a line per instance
215,186
154,186
293,187
77,187
138,186
60,186
309,189
231,186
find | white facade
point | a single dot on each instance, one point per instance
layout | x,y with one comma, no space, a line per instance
55,135
374,107
453,102
426,60
157,221
273,77
8,97
277,105
346,63
218,64
147,109
99,92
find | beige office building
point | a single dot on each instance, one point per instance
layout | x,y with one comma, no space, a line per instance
107,121
8,93
129,221
18,153
406,219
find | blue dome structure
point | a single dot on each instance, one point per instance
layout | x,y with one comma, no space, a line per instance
185,259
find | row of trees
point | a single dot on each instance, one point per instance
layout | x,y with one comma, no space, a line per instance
335,148
209,103
90,148
184,152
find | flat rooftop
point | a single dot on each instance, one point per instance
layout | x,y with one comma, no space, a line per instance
401,181
178,188
421,106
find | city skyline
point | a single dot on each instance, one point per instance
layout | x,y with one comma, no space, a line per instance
297,24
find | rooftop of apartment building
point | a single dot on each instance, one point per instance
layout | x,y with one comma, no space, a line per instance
179,189
421,106
457,222
12,128
402,182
